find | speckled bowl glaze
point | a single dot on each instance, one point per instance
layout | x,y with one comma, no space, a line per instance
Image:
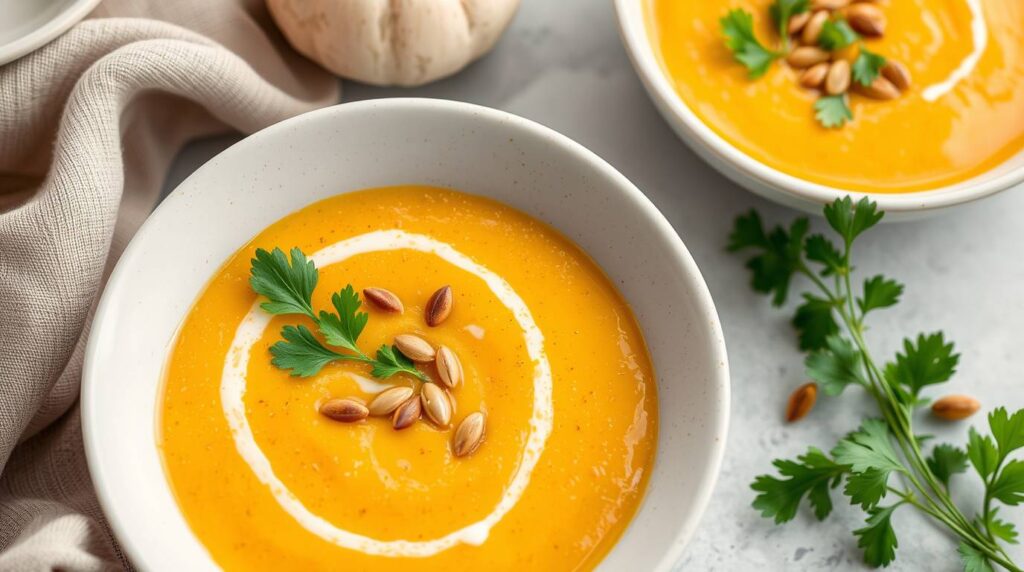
390,142
770,182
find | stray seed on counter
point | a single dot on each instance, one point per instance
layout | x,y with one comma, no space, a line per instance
897,73
407,413
439,306
388,400
801,402
469,434
812,30
349,410
814,76
797,23
866,19
449,368
415,348
955,407
881,89
807,56
838,79
436,405
384,300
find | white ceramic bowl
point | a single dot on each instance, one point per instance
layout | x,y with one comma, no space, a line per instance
388,142
768,181
28,24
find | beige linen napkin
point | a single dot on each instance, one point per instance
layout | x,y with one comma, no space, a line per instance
88,126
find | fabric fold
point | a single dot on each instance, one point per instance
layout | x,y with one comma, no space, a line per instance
88,127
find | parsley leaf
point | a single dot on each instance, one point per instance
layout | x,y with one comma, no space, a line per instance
972,559
389,362
836,35
832,111
879,292
835,366
820,249
811,475
867,488
814,322
289,287
301,352
1008,430
867,66
782,10
849,219
738,28
946,461
780,257
1000,528
928,362
1009,485
878,539
868,448
747,232
343,328
981,450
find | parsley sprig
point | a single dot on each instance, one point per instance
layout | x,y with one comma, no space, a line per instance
288,288
738,28
882,463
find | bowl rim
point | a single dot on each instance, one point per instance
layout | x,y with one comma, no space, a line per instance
699,136
718,378
25,44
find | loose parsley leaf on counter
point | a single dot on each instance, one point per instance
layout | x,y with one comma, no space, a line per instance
738,27
830,324
946,461
878,539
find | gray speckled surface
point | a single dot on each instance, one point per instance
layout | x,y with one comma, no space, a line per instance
562,64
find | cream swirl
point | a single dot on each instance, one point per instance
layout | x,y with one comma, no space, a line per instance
979,33
251,330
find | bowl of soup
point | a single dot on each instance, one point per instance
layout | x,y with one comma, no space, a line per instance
951,133
405,334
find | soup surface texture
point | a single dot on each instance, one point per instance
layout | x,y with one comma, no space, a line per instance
366,496
903,145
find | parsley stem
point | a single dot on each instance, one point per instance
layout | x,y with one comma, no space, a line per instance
939,505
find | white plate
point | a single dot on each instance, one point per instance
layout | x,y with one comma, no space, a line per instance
768,181
389,142
28,24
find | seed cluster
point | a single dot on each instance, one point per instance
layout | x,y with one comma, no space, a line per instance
825,66
406,405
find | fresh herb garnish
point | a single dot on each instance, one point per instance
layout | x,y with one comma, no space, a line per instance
867,66
832,111
289,290
782,10
738,27
836,35
883,459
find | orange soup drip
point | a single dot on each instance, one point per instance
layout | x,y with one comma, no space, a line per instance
372,480
904,145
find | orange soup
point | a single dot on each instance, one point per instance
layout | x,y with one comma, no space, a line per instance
962,114
276,471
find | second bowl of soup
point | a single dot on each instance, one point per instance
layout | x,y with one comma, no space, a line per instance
917,103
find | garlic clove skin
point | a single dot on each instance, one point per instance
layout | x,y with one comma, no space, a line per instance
406,43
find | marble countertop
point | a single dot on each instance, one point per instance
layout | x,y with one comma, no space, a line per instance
562,64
